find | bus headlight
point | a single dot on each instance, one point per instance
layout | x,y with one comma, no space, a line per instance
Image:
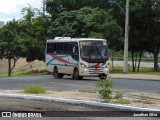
83,65
107,66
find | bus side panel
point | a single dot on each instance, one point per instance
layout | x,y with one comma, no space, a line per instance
53,60
64,63
71,65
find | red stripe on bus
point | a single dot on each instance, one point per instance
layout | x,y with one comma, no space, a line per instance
60,59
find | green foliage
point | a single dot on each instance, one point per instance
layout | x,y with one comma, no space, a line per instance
144,33
105,88
83,18
34,33
55,7
10,43
87,22
145,100
35,89
118,95
71,23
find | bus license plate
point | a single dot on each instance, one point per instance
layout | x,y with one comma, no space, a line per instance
96,71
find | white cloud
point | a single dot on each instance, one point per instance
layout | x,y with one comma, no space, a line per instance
8,6
10,9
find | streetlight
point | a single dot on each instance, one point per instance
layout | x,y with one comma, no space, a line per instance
125,62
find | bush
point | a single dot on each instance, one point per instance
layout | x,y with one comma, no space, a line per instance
35,89
118,95
105,88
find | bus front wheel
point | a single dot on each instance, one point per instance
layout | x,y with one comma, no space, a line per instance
56,74
76,75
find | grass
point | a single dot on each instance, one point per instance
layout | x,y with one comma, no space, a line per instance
121,101
3,74
86,91
144,99
24,73
143,70
35,89
118,95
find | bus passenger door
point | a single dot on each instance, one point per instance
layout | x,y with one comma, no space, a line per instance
75,56
69,65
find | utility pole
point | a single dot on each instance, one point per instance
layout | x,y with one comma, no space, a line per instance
44,8
125,64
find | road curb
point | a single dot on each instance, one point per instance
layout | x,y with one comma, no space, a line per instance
80,102
134,79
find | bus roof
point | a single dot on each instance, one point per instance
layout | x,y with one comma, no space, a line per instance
69,39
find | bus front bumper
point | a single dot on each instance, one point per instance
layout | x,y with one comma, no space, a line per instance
94,71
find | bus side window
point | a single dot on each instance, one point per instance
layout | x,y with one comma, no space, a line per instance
65,48
59,48
70,49
50,47
54,48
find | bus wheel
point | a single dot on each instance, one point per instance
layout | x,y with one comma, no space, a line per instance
76,75
56,74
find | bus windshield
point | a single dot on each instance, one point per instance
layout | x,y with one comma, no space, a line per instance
94,51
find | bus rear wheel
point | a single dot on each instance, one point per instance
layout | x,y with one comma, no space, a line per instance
76,75
56,74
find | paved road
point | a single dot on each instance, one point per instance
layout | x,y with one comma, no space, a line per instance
67,84
12,104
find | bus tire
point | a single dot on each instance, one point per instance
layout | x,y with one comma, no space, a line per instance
56,74
76,75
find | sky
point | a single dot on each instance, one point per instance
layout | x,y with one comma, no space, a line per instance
11,9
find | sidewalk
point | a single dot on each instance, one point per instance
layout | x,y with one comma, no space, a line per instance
135,76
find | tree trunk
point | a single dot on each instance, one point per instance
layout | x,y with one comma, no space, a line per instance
133,66
140,56
9,67
136,61
156,62
156,66
112,59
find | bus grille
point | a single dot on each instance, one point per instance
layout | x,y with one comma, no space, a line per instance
95,70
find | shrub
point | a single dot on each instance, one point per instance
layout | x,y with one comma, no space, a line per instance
118,95
35,89
105,88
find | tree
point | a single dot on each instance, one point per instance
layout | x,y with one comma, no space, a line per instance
87,22
145,33
101,24
153,11
10,44
144,28
138,33
34,33
71,23
54,7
